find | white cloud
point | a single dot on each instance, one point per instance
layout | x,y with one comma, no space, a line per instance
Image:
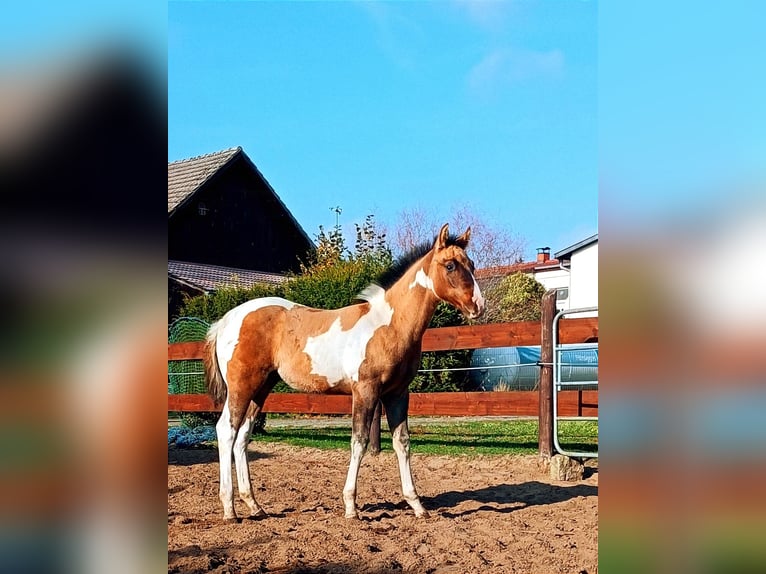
396,34
506,66
487,14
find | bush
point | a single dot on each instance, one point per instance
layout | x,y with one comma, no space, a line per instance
332,286
213,306
516,298
443,381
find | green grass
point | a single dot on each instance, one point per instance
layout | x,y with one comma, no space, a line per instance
492,437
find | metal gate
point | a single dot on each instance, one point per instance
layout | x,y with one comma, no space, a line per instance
564,380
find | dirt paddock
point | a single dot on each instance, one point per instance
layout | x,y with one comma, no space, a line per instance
488,514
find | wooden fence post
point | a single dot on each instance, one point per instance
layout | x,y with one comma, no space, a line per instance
545,437
374,445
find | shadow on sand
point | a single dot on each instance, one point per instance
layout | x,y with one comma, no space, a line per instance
506,498
502,498
203,455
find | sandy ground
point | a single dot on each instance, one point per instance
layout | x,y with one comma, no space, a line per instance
488,514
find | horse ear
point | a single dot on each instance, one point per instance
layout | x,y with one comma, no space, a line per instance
441,239
463,240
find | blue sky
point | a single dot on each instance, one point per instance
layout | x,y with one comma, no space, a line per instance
682,119
379,107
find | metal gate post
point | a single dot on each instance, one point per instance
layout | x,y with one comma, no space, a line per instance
557,383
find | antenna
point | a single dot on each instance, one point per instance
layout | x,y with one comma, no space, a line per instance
337,211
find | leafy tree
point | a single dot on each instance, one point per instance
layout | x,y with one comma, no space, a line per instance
516,298
336,276
491,245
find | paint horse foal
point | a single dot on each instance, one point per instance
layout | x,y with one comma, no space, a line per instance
370,350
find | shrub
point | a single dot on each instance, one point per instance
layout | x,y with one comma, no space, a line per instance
516,298
443,381
213,306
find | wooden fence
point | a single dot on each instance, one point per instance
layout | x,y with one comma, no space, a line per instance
512,403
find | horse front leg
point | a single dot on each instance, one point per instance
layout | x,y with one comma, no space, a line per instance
396,413
362,409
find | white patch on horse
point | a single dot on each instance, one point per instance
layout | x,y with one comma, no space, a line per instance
477,298
337,354
422,279
229,325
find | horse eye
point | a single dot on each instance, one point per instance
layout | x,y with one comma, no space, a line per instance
450,266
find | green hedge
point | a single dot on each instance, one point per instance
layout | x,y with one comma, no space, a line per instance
213,306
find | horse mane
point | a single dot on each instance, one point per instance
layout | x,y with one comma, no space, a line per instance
397,270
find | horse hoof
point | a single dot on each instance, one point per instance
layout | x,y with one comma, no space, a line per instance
352,516
424,514
234,520
260,515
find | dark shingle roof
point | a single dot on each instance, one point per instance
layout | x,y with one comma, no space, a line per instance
212,277
187,175
566,253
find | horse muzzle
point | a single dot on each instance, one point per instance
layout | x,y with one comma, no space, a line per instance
474,311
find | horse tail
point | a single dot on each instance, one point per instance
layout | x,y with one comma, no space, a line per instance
216,386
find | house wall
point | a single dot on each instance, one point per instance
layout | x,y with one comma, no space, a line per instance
554,279
583,290
245,226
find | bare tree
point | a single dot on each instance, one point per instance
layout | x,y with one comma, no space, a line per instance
490,245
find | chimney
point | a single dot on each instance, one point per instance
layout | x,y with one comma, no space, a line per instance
543,254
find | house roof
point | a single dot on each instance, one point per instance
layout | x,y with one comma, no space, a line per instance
211,277
186,176
524,267
566,253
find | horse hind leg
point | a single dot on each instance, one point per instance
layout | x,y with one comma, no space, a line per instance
240,461
233,430
363,406
226,436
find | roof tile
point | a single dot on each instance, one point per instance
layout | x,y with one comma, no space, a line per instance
212,277
187,175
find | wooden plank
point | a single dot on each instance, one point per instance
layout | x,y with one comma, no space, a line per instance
308,403
522,333
183,351
191,403
579,330
482,336
578,404
511,403
275,403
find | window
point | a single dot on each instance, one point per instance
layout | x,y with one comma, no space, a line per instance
562,294
202,208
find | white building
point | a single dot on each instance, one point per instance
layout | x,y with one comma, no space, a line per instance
576,275
573,271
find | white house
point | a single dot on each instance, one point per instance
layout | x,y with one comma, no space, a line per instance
578,286
573,271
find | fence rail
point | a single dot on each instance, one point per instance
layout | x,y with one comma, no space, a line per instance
511,403
506,403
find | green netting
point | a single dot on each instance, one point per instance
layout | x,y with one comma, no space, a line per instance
186,377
